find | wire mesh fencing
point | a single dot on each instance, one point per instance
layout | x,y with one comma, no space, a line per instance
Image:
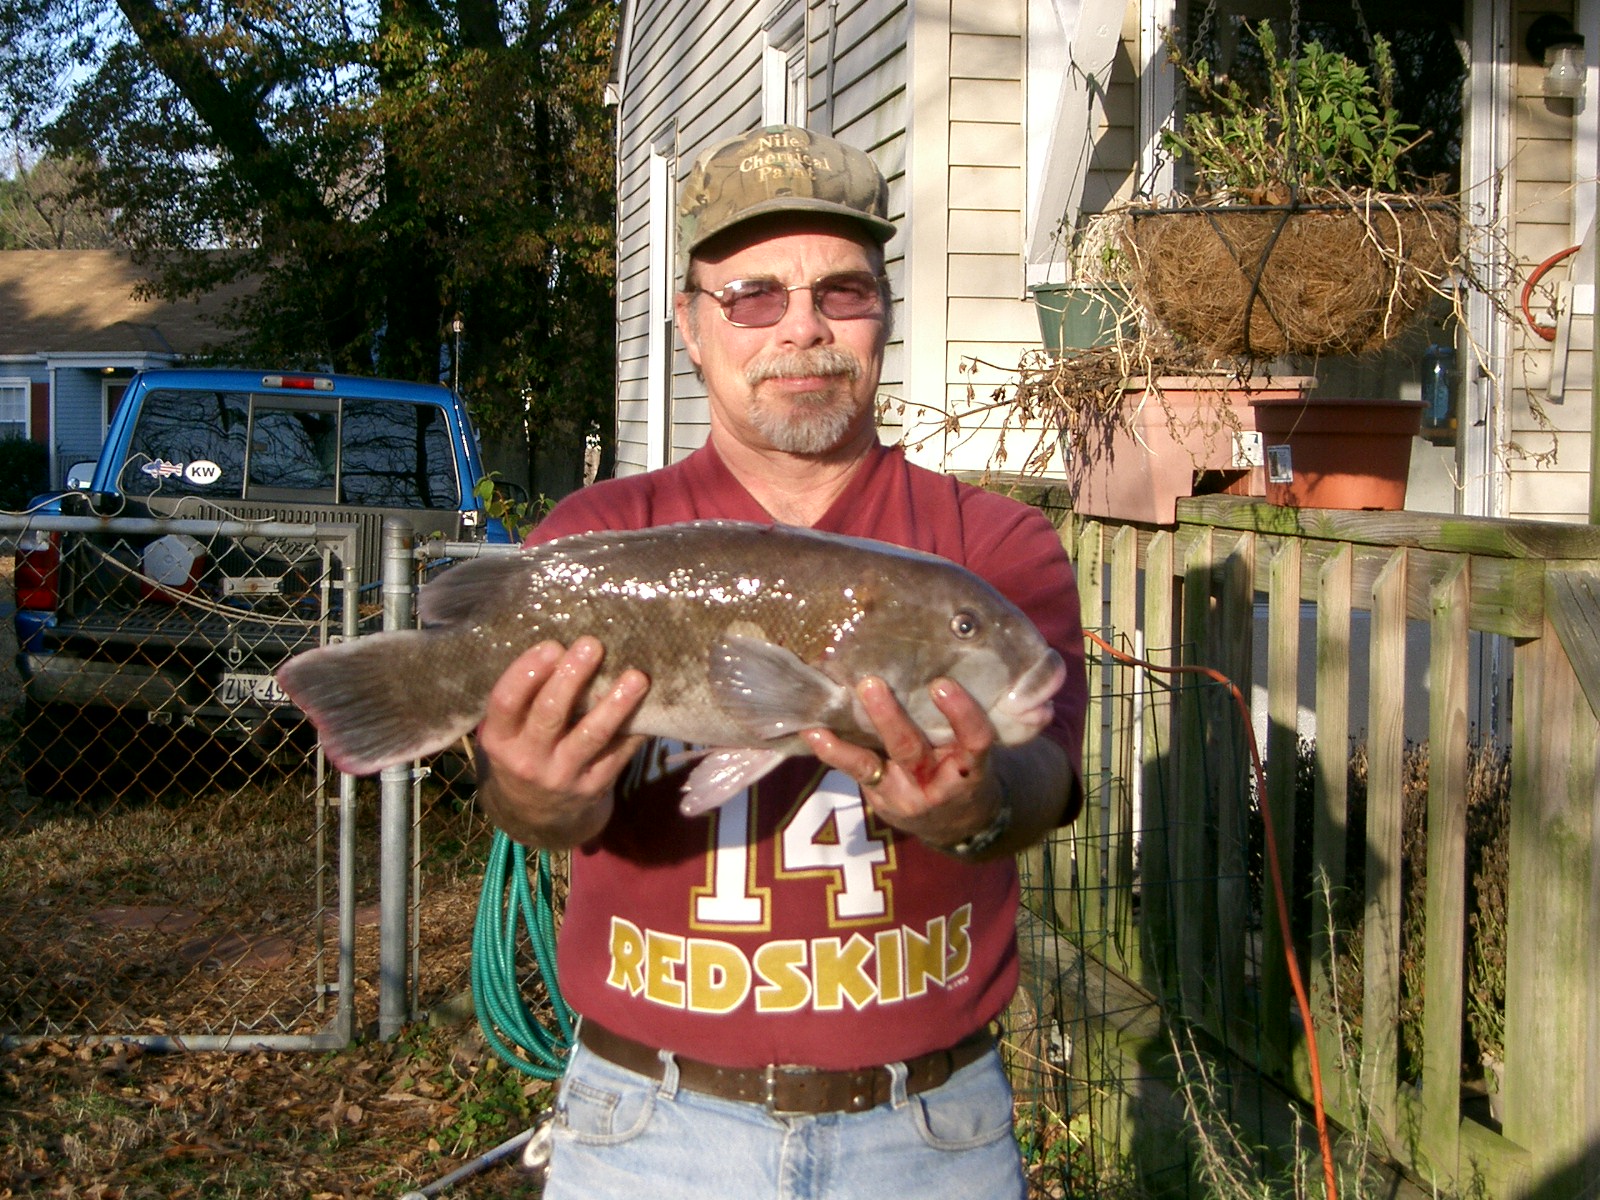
1095,1066
177,865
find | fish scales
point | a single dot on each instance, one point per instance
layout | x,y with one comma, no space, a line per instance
649,604
652,609
749,634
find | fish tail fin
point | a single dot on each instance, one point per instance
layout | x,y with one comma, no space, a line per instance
373,700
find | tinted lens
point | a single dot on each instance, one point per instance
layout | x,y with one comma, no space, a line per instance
848,296
754,301
759,302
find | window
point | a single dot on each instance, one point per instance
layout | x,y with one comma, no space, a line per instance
13,408
785,94
397,456
373,453
176,429
294,446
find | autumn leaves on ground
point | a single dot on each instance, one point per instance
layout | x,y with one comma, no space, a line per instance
380,1119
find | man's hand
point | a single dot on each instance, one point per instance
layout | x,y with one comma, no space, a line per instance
545,774
945,794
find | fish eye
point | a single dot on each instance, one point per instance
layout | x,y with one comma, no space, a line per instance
964,624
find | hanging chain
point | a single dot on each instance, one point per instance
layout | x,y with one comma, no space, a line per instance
1361,24
1203,30
1385,85
1292,159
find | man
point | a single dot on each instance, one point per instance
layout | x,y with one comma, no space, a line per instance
792,995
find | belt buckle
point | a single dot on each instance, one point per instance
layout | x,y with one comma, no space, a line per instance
861,1095
776,1075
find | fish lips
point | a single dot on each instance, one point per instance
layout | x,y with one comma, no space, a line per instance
1026,709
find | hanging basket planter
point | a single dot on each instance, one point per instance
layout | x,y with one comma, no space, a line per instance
1259,281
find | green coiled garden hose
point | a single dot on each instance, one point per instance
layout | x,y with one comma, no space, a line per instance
507,908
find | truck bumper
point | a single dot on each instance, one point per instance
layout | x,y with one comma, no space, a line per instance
65,679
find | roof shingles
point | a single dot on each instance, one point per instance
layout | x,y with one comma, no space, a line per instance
83,302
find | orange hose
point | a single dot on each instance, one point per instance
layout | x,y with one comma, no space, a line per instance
1547,332
1302,1001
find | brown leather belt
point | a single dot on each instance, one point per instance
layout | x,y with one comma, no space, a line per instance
808,1091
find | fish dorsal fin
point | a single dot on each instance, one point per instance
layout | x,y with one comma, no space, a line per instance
838,540
464,592
469,589
579,545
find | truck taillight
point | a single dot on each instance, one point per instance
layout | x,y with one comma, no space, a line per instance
38,574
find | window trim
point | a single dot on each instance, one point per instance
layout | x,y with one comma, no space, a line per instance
26,384
660,336
785,67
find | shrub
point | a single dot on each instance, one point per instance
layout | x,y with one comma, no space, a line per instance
24,472
1488,872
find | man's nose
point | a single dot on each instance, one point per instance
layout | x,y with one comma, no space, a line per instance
802,323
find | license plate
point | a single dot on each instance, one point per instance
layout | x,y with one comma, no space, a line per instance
252,585
250,689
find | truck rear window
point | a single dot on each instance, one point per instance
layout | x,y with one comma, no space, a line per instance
238,445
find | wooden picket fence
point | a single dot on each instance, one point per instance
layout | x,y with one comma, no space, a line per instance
1377,626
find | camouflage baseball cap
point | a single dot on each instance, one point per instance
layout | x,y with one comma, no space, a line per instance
782,168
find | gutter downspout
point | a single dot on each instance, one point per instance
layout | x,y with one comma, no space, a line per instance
1594,408
55,431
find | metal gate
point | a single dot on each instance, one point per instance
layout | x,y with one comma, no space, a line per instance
177,864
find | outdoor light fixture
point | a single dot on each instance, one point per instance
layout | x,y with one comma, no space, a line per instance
1553,42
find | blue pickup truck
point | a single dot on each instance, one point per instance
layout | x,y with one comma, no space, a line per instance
131,643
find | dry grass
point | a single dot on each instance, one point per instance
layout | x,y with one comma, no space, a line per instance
1339,279
374,1120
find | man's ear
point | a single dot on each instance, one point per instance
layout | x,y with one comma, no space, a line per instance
686,326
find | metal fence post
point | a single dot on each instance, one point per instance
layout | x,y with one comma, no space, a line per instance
399,612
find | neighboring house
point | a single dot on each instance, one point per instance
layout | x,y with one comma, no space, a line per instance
72,333
998,121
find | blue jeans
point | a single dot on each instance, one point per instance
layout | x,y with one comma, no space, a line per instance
622,1136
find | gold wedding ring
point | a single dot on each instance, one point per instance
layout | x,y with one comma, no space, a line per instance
875,778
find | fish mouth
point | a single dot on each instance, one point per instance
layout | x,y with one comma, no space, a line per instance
1027,707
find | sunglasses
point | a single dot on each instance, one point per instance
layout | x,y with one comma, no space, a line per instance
757,303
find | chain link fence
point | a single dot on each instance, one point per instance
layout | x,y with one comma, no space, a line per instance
177,865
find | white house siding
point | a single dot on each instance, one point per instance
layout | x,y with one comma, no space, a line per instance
938,94
690,76
862,100
968,264
989,318
1545,190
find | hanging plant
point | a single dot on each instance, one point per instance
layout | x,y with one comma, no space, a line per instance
1326,124
1295,241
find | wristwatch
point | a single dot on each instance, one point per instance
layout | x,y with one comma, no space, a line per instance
975,844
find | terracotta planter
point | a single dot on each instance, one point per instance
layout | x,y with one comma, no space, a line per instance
1337,453
1180,436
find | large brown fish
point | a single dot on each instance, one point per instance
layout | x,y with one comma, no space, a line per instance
749,633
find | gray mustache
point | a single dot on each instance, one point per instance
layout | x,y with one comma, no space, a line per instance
823,360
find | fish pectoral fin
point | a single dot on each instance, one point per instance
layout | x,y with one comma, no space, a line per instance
722,775
768,691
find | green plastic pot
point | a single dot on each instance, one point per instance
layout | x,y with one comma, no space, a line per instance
1081,316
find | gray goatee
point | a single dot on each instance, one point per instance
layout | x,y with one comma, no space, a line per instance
813,422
